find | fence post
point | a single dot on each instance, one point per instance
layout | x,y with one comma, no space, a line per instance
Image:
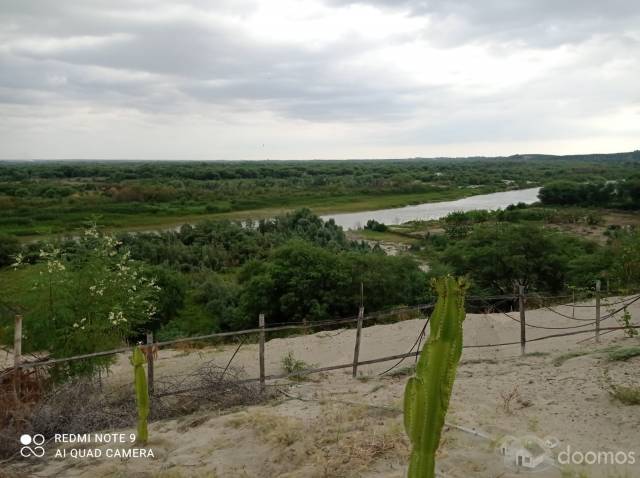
356,352
261,325
17,354
598,311
523,323
150,362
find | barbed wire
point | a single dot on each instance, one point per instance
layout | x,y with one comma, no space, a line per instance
341,321
417,342
527,324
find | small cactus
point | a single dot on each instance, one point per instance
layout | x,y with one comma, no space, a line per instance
142,393
427,394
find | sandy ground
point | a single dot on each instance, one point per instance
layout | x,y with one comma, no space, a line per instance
333,425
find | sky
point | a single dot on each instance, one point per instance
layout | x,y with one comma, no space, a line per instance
306,79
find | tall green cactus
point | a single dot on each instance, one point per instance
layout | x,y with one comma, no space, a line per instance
142,393
427,394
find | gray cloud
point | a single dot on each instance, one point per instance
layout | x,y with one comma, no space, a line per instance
541,23
158,57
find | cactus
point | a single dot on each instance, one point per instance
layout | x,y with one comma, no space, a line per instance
142,393
427,394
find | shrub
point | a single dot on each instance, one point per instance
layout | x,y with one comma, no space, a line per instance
293,366
9,247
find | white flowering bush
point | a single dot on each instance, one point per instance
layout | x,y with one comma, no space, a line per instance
89,299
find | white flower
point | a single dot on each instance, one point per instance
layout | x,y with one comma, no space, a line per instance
18,260
75,325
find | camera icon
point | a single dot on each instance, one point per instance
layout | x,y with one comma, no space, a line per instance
37,450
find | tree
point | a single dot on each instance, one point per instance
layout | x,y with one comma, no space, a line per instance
374,225
9,247
172,299
91,299
301,281
497,257
625,259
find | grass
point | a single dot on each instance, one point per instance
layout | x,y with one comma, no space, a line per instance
274,429
536,354
626,395
338,440
624,353
387,236
561,359
133,217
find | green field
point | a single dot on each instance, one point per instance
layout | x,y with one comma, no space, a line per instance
220,275
40,199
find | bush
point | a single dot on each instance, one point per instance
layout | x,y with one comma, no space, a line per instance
92,298
374,225
9,247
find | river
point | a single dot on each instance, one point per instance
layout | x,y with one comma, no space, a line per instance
435,210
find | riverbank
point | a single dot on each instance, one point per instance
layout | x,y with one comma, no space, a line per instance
319,205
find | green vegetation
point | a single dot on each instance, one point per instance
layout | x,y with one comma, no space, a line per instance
526,245
427,394
619,194
9,247
293,366
54,197
625,321
623,353
561,359
79,299
214,276
218,275
626,395
376,226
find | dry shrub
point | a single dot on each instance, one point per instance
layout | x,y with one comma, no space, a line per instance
84,405
342,440
275,429
508,397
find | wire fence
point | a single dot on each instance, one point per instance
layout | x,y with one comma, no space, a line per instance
489,303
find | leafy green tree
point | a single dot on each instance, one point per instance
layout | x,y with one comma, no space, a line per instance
93,299
625,259
497,257
301,281
219,297
172,300
374,225
457,224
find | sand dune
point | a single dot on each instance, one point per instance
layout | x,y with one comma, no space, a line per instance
333,425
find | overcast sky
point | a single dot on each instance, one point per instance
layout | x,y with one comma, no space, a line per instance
257,79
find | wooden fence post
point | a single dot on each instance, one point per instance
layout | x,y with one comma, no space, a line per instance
150,362
598,311
17,354
523,323
261,325
356,352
